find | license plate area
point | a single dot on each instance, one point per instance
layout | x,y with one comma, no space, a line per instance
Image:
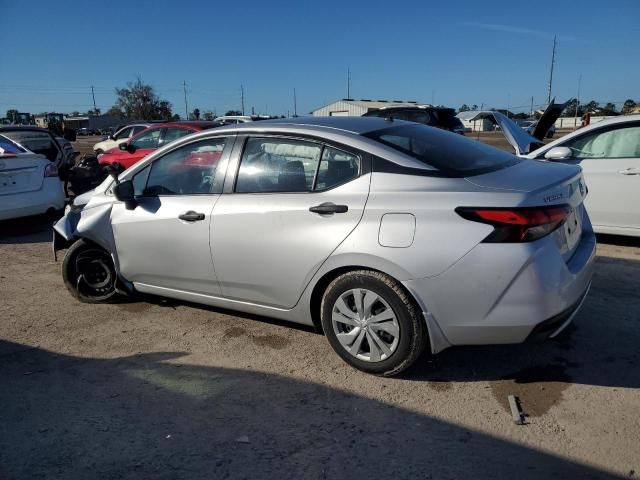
573,228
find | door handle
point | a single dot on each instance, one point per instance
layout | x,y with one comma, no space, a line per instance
630,171
329,208
191,216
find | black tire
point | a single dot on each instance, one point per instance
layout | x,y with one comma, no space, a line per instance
412,337
89,273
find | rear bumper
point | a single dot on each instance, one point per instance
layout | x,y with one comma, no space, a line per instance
49,196
502,293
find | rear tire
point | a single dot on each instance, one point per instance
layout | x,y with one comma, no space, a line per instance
89,274
372,323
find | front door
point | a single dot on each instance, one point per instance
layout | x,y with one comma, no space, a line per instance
610,159
164,241
293,202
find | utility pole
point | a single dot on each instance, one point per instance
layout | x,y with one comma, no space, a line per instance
575,122
242,97
433,94
186,108
553,61
94,101
348,83
531,111
295,104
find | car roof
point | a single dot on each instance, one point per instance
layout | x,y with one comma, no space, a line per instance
413,107
199,124
27,128
356,125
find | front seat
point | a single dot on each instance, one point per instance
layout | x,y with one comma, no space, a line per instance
292,178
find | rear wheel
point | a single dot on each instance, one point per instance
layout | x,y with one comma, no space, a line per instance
372,323
89,273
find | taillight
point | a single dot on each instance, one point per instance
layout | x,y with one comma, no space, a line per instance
524,224
51,170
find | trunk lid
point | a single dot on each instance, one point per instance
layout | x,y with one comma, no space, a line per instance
545,184
522,141
23,172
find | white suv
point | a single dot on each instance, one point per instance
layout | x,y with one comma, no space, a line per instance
121,136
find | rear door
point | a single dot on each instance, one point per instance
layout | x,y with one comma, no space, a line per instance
291,203
610,159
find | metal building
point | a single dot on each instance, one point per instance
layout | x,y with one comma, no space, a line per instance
348,107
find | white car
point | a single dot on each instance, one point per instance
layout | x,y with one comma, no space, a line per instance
29,182
121,136
609,154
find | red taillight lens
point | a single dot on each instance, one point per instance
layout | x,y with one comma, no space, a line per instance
524,224
51,170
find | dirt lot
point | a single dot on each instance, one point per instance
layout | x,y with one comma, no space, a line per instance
160,389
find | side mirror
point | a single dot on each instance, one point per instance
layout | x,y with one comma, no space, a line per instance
558,153
124,192
123,146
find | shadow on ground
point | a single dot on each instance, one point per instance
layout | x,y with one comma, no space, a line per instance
36,229
145,417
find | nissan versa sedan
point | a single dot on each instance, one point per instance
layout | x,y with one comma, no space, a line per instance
389,236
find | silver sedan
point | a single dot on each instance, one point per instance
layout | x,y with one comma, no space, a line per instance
390,237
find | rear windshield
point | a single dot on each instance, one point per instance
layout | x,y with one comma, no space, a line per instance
10,147
451,153
447,117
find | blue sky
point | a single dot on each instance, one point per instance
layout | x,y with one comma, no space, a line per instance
495,53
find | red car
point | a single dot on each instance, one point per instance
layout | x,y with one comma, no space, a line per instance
154,137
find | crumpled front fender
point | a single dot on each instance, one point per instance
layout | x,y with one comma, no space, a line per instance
92,224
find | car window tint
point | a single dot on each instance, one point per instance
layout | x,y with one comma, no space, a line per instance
139,181
452,154
188,170
9,147
277,165
175,133
419,117
37,142
148,139
336,167
124,133
623,142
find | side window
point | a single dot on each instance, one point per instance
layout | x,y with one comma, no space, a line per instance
140,181
148,139
188,170
336,167
124,133
138,128
277,165
617,143
174,133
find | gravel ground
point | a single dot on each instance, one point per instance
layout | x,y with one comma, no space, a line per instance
163,389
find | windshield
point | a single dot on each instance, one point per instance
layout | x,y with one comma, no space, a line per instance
442,150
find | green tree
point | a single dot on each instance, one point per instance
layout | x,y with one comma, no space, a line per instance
12,115
115,112
464,108
628,106
474,108
195,115
139,101
234,112
609,109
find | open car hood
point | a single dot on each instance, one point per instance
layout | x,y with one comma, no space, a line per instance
523,142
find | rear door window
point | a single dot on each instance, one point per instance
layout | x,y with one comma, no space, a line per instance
148,139
173,133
